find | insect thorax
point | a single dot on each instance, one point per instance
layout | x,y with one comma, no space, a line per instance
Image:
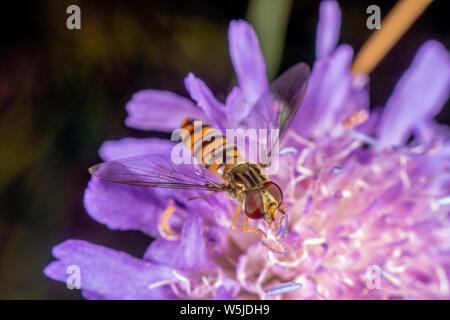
245,177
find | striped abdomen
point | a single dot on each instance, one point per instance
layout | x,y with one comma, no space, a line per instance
210,147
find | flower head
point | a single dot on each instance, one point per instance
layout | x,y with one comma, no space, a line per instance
359,195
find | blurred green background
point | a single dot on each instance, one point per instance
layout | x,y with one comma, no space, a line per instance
63,92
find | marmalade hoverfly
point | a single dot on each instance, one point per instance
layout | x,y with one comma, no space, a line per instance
245,181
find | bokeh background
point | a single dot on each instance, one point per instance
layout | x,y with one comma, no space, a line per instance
63,92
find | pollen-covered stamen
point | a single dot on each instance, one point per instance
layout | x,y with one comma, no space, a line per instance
164,228
356,119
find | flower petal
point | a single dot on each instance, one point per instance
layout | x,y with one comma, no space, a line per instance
163,252
247,60
418,96
205,99
160,110
235,106
188,254
328,28
130,147
228,290
222,294
331,95
193,255
124,207
108,274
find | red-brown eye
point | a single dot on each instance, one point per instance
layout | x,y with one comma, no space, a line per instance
254,206
274,190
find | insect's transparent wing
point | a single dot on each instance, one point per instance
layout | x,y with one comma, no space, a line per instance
158,171
278,105
276,108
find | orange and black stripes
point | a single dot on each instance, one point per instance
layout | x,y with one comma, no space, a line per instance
209,146
251,177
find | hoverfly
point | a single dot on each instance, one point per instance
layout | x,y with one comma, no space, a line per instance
245,181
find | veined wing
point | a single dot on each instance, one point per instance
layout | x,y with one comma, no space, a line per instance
278,105
276,108
158,171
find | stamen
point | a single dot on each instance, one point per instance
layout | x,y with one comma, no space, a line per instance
361,184
287,150
314,241
391,278
346,193
404,172
289,264
363,137
396,23
283,288
161,283
324,190
303,155
304,171
444,201
205,281
443,281
344,153
336,170
163,226
183,280
301,140
356,119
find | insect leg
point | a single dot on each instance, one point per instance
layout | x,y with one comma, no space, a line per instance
236,215
245,229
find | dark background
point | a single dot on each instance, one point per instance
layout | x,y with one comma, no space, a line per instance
63,92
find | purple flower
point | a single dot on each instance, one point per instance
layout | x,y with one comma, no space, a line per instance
351,209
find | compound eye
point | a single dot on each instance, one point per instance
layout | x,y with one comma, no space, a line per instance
254,206
274,190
